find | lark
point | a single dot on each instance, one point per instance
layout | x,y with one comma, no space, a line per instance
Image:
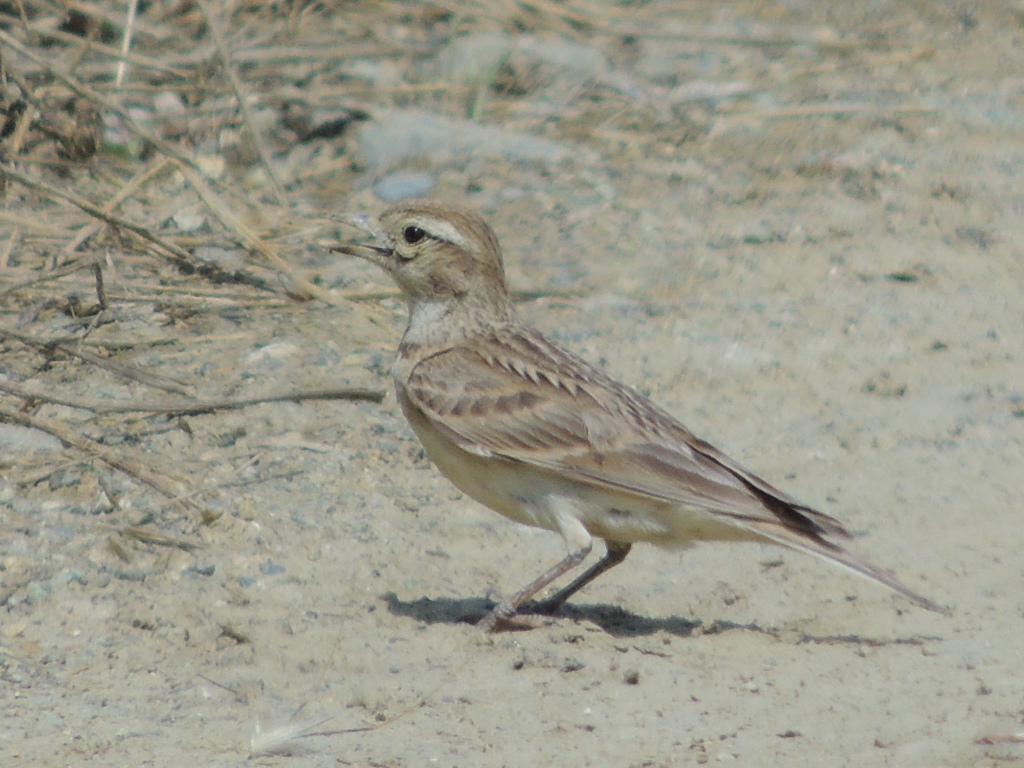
543,437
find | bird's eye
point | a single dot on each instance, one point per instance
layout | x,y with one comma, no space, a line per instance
413,235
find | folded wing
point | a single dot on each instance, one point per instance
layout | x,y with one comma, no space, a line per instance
530,401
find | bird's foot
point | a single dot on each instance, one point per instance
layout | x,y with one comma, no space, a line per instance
505,617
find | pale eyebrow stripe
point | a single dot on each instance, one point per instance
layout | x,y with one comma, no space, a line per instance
442,229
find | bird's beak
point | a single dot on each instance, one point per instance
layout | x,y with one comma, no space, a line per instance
378,254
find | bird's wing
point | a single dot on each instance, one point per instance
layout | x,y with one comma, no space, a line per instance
517,396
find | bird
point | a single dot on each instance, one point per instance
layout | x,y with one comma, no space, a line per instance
541,436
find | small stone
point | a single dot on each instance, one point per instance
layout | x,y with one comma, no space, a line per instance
36,592
69,575
227,259
270,568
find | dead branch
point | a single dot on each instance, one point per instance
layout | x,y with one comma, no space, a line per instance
71,347
195,406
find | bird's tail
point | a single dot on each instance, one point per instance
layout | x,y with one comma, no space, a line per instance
814,544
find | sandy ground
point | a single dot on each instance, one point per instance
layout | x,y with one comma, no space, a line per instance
834,298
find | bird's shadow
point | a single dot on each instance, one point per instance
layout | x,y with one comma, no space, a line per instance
614,620
618,622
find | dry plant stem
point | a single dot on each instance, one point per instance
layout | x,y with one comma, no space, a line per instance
199,303
193,406
22,14
707,36
519,296
172,488
214,27
115,19
71,347
147,536
566,15
33,226
823,110
92,210
100,100
45,277
101,291
123,194
95,46
179,253
249,239
561,17
12,242
314,51
126,43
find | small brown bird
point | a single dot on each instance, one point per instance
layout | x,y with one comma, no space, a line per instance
543,437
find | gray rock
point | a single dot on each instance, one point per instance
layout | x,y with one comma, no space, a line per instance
708,92
469,59
270,568
401,185
16,439
565,55
228,259
403,134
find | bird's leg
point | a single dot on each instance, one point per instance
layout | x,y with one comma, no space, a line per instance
508,608
616,553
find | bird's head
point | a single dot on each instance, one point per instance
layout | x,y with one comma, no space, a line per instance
436,252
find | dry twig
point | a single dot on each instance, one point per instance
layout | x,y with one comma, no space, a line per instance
172,488
181,408
71,347
181,256
214,27
45,277
129,189
249,239
100,101
147,536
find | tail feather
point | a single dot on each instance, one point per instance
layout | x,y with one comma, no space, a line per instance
814,544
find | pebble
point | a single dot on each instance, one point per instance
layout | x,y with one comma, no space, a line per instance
69,575
228,259
36,592
270,568
190,219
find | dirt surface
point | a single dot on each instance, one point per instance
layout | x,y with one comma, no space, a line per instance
812,257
